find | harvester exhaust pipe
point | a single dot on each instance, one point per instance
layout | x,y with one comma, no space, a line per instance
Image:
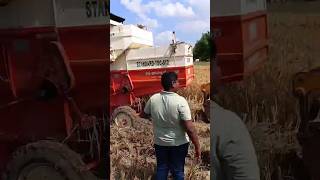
174,39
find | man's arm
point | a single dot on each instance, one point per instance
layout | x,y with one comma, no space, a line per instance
146,112
235,148
185,115
192,133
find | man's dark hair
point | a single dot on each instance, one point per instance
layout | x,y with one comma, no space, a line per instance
167,80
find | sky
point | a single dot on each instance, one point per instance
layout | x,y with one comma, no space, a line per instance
188,18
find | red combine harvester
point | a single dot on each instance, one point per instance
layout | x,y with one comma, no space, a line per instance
53,81
240,32
137,65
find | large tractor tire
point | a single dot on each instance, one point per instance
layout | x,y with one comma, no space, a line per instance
46,160
124,116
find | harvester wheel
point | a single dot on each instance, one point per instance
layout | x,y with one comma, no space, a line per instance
46,160
124,116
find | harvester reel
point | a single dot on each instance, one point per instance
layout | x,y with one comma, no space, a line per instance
124,116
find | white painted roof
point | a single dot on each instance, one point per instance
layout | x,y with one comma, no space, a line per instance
129,36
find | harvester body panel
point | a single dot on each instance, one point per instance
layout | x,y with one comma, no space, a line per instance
241,36
52,53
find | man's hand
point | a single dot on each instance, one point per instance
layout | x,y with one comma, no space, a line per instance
198,154
194,137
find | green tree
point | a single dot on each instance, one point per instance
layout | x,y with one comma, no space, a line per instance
202,47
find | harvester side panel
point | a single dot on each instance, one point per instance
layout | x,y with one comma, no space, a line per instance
84,35
240,36
41,33
23,116
24,54
88,61
5,85
147,82
27,14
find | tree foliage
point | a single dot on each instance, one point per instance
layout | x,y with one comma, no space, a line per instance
202,47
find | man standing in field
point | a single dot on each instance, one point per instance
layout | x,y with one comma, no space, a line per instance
172,127
233,156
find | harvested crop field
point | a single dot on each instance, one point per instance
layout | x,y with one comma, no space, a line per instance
132,153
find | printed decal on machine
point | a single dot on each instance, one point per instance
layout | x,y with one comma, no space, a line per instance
158,73
70,13
98,8
152,63
157,63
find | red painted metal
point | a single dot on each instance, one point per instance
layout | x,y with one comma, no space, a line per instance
152,84
88,63
25,118
141,83
242,45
